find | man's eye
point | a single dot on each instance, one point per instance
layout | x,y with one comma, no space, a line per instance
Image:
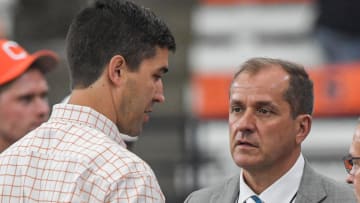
157,77
355,162
44,96
26,99
236,109
263,111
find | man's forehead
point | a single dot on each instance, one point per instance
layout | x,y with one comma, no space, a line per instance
259,83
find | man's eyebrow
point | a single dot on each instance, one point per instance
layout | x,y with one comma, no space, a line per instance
264,103
236,102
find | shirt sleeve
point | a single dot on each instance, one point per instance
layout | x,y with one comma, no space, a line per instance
136,187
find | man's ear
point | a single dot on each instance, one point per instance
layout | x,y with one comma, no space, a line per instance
116,69
304,122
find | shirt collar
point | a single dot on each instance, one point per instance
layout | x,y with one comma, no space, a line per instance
281,191
87,116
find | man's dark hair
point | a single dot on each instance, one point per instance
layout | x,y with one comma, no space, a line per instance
299,94
110,27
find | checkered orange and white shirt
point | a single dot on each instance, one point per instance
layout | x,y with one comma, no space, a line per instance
77,156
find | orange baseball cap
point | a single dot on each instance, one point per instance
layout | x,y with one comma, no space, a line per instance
15,60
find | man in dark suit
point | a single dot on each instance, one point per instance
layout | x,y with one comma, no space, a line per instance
270,108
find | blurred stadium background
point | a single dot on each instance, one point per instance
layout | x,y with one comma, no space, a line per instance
186,142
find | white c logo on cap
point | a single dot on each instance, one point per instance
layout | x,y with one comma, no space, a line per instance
7,49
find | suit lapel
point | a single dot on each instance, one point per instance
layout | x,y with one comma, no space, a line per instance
229,192
311,189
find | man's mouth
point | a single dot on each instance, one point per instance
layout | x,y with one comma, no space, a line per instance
245,143
147,115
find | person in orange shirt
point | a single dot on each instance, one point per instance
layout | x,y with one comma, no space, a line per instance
23,90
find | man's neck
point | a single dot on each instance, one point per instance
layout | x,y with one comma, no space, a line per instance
4,144
261,178
97,97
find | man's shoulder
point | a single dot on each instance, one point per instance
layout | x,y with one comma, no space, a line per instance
106,156
82,144
336,188
313,178
315,186
212,194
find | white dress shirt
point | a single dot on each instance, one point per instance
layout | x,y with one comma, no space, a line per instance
77,156
281,191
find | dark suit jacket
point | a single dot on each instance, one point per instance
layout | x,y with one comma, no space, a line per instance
314,188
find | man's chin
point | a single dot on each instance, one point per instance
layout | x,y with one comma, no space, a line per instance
134,132
244,161
31,129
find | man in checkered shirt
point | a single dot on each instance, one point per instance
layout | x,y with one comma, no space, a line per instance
117,53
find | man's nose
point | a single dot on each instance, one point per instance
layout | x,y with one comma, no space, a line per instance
42,107
159,92
350,179
246,121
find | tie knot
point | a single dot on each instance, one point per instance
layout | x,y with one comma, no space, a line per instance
253,199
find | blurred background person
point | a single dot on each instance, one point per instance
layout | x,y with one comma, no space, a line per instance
337,29
23,90
352,162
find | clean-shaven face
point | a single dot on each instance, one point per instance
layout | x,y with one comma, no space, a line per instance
23,106
262,131
143,89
